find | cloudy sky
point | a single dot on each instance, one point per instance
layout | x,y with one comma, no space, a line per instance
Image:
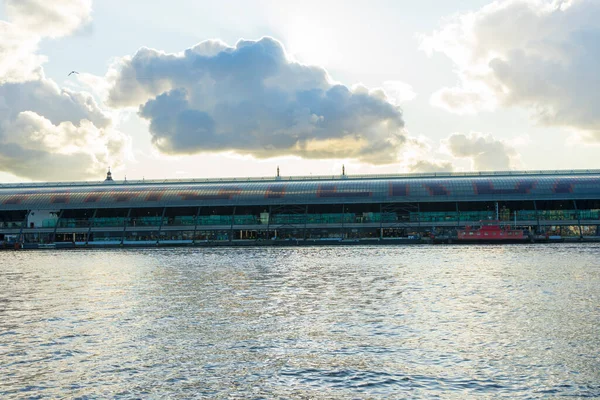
194,88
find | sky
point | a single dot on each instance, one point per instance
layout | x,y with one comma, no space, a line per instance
205,89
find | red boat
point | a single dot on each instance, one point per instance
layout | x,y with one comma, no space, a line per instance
491,232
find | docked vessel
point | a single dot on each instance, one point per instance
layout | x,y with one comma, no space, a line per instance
9,242
491,232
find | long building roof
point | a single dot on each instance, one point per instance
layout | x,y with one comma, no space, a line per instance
514,185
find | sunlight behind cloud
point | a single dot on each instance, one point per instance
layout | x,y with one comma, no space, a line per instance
399,92
312,43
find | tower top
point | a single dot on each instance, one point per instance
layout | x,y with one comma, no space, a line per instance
344,172
108,176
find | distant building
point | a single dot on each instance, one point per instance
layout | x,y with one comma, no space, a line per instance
299,208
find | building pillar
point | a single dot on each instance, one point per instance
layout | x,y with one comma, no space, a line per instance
343,218
457,215
23,224
60,214
578,219
419,217
305,222
87,238
231,227
162,217
196,225
125,225
380,221
537,215
269,223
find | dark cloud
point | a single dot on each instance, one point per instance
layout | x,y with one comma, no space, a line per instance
43,165
253,100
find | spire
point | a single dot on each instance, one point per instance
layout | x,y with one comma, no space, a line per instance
344,172
108,176
278,177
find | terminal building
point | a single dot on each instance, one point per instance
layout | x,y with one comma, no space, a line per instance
300,209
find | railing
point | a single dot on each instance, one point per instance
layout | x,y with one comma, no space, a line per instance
67,223
328,218
303,178
506,215
205,220
11,224
109,222
51,223
144,221
181,221
451,216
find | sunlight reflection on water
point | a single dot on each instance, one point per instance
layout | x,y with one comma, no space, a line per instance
406,321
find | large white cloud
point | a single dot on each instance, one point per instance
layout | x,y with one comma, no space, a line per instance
541,54
30,22
47,132
46,18
485,152
421,155
18,60
430,166
253,99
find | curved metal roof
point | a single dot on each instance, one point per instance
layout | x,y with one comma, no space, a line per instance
347,190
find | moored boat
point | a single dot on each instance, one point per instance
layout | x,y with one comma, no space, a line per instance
491,232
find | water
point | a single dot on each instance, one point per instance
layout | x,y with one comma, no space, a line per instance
357,322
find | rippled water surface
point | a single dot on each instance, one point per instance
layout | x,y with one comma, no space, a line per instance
517,321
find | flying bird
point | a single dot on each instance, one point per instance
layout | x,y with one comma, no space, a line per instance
73,72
